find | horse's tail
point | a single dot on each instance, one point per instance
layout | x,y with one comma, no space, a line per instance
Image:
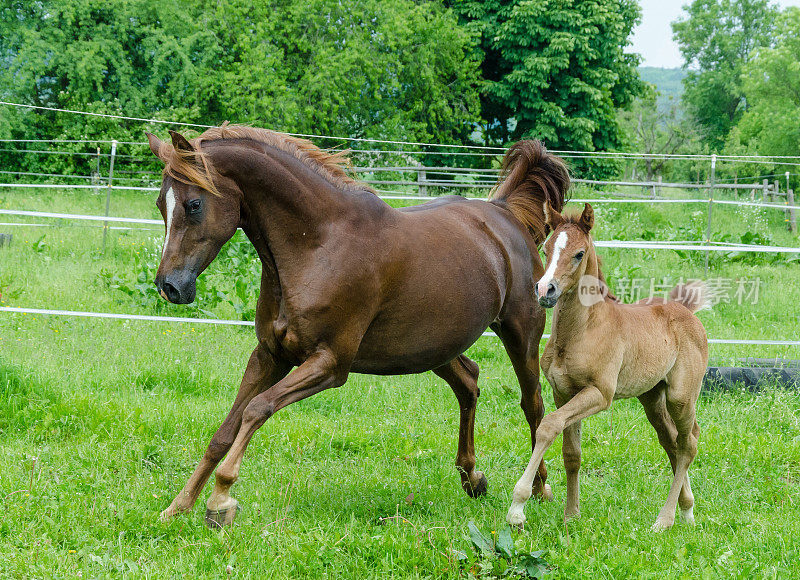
694,295
531,176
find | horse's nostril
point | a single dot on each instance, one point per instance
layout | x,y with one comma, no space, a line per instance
551,290
172,293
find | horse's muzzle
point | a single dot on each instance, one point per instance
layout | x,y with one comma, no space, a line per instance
178,288
550,297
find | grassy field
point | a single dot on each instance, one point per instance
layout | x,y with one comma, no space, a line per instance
102,421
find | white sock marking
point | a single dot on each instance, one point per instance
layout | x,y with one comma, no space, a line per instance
561,243
170,201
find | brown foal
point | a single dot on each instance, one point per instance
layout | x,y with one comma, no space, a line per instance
350,284
601,350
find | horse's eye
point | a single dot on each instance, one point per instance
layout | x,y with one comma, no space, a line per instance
579,256
193,206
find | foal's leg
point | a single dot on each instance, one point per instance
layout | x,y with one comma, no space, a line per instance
571,450
588,401
318,373
261,373
655,407
522,346
462,375
681,408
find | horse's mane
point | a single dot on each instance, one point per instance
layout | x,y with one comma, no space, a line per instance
531,176
193,167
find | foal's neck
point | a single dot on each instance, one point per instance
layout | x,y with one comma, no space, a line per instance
572,315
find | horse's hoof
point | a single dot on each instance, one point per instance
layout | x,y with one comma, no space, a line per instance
171,512
516,519
661,525
547,493
478,489
571,516
687,516
167,515
222,518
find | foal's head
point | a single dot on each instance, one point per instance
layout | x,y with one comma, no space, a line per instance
566,250
199,219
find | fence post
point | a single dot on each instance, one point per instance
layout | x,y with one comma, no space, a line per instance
710,204
764,190
791,212
108,189
96,176
421,180
776,191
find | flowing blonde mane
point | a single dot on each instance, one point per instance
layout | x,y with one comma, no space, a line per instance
193,167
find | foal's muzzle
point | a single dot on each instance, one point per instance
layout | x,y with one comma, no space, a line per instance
177,287
549,296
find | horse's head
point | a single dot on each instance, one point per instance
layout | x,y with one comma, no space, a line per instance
566,251
199,219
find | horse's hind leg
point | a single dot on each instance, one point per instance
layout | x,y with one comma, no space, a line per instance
261,373
681,396
462,375
655,407
521,340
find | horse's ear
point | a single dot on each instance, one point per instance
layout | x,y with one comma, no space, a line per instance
587,218
179,142
551,216
155,145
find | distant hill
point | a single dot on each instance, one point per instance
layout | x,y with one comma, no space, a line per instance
667,80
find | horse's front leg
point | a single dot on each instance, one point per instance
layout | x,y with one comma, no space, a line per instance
588,401
320,371
262,372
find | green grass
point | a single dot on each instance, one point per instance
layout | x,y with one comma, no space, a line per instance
118,413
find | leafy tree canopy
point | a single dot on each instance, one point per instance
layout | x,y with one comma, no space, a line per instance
555,69
717,39
771,85
378,68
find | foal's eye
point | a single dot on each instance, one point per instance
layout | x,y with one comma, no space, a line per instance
579,256
193,206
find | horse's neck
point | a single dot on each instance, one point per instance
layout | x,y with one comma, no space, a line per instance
286,205
571,316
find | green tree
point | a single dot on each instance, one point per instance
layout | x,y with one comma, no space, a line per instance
555,69
717,39
657,128
365,68
771,85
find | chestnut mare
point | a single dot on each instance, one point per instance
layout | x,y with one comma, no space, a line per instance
601,350
350,284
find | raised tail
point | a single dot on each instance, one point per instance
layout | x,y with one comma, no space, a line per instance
694,295
530,176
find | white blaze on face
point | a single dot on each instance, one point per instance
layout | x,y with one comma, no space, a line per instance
169,200
561,243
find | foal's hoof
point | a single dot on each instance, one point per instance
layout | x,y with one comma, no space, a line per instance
222,518
479,488
687,515
547,493
516,519
662,524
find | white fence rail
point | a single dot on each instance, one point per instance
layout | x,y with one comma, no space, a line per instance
222,322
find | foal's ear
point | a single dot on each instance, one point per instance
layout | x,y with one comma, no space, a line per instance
155,145
551,217
179,142
587,218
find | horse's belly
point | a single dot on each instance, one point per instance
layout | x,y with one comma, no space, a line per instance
419,350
